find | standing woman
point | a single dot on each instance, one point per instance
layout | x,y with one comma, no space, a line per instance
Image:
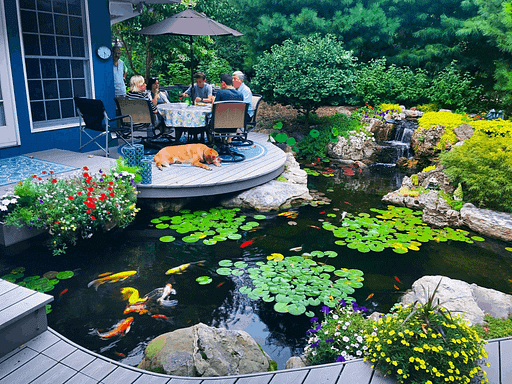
157,97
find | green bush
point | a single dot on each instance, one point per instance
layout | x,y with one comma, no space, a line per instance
483,165
455,90
314,72
495,328
214,68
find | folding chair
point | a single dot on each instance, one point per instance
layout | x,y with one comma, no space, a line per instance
92,113
241,139
226,118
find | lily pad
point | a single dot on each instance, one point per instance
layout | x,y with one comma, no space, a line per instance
226,263
190,239
203,280
167,239
50,274
65,275
162,226
224,271
477,238
260,217
209,242
280,307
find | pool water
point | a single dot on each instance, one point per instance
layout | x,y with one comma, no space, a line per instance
79,312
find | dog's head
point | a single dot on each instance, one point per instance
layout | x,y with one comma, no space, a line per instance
211,156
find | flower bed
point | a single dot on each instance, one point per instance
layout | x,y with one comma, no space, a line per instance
69,208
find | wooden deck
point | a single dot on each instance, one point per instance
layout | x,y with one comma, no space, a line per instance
182,180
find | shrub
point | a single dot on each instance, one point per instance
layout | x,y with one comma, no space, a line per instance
308,74
431,107
423,343
455,90
494,328
314,145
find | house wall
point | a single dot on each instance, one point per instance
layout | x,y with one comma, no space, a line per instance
102,77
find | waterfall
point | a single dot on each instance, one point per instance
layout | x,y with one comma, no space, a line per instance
400,143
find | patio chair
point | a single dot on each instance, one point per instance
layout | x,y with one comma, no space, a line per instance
226,118
241,139
94,116
144,120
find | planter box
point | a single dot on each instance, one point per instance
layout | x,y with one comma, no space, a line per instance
10,234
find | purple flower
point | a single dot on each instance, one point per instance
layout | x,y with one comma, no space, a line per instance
309,331
325,309
318,327
343,302
340,359
315,344
329,340
314,319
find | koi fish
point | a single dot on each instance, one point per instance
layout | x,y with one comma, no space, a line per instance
132,295
105,274
120,329
160,317
140,308
220,284
63,292
246,243
314,226
111,279
397,279
120,354
396,287
296,249
289,214
369,296
346,202
168,290
343,215
180,268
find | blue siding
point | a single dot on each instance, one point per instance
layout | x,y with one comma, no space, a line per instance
68,138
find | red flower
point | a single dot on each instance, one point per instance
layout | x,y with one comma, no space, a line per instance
79,193
86,175
85,169
88,211
57,222
92,217
110,183
54,181
39,178
111,194
51,172
90,189
34,176
70,197
108,211
110,188
43,172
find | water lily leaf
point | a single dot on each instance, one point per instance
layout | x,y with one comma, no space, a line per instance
477,238
340,242
400,250
296,309
219,238
65,275
237,272
342,273
209,242
224,271
53,281
314,302
203,280
508,249
260,217
156,221
329,268
310,314
31,278
167,239
162,226
241,264
280,307
50,274
317,254
331,254
268,299
10,278
165,218
226,263
234,236
190,239
244,289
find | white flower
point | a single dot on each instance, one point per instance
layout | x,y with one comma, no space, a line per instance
337,333
359,353
6,201
3,208
345,339
360,339
347,323
335,317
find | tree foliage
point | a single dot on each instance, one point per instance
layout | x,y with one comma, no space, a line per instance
313,72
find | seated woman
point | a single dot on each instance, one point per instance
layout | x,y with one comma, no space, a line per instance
138,91
157,97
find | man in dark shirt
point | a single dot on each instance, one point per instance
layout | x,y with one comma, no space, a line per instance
227,91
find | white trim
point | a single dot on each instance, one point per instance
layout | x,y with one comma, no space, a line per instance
87,36
9,102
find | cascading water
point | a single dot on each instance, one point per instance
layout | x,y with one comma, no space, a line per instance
399,145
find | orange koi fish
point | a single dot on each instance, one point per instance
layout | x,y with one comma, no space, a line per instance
289,214
397,279
120,354
160,317
369,296
120,329
396,287
346,202
140,308
63,292
180,268
105,274
246,243
220,284
314,226
167,291
111,279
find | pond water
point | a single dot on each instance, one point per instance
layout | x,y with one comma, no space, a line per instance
79,311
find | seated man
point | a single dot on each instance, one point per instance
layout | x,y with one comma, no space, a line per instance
227,91
240,86
202,91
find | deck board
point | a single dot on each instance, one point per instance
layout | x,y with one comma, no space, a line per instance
29,371
324,375
506,361
355,372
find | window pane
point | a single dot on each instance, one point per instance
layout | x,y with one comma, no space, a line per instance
2,114
31,44
75,25
77,68
52,110
50,89
48,45
63,46
37,111
65,90
44,5
45,22
67,107
79,88
61,25
28,4
35,89
75,7
63,69
29,21
78,47
59,6
48,68
33,71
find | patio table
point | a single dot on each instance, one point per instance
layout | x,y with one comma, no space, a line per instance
191,119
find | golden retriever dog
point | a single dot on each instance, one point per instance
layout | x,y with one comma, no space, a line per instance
189,153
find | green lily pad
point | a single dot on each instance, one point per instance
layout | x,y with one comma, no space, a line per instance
508,249
237,272
234,236
241,264
156,221
477,238
50,274
203,280
167,239
31,278
260,217
224,271
162,226
280,307
65,275
226,263
209,242
296,309
190,239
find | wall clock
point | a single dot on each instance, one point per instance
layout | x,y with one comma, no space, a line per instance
104,52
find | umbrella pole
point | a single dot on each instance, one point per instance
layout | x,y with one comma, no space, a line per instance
192,96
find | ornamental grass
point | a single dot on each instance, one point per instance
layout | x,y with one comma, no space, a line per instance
74,207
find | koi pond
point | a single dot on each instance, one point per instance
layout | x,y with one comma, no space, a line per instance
266,273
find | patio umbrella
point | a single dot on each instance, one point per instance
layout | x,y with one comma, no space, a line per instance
189,23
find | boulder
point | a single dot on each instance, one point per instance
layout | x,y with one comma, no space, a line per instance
463,132
354,148
203,351
297,362
459,297
277,194
490,223
424,142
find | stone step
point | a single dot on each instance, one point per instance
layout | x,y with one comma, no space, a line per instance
22,315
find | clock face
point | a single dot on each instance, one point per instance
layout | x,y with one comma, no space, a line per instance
104,52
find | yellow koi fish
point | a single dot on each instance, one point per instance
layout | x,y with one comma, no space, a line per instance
121,328
180,268
111,278
132,295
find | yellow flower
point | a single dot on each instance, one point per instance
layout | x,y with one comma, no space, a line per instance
399,371
411,359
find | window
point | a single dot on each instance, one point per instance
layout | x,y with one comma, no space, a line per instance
56,58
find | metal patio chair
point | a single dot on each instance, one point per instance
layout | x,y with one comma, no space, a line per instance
94,116
241,139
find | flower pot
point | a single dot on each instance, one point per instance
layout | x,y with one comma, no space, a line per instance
10,234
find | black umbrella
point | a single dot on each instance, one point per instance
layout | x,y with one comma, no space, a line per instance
189,23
